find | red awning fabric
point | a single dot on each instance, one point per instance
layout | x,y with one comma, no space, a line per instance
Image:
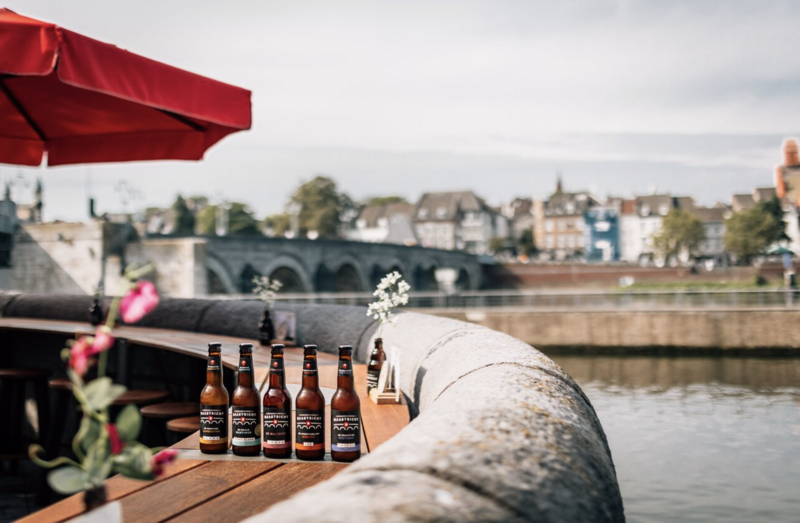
85,101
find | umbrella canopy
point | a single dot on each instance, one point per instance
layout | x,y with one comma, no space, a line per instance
85,101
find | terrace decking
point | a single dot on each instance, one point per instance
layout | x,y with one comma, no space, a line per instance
200,487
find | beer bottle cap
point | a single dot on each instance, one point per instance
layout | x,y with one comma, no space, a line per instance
245,348
214,346
309,349
277,348
345,347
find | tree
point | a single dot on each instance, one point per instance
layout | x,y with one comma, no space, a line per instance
681,234
184,219
320,205
241,221
278,224
525,244
773,207
383,200
750,232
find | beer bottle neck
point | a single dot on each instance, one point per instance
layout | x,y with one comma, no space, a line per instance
245,375
276,373
214,369
344,379
310,374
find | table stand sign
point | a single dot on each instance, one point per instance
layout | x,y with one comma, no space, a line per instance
388,392
108,513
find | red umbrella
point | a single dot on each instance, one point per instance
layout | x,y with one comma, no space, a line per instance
85,101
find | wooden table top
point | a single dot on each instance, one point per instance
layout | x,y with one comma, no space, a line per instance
201,487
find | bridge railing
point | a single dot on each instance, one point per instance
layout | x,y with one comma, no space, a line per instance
679,299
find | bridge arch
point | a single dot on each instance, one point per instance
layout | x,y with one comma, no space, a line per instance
246,284
291,274
218,280
463,283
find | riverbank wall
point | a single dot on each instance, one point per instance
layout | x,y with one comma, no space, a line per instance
731,330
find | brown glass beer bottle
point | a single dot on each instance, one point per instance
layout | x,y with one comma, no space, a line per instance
345,412
246,407
309,443
277,431
375,364
214,406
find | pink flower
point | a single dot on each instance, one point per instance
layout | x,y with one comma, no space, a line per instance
164,457
138,302
79,355
88,346
103,340
113,435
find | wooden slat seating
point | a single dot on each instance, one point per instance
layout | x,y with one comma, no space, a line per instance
156,417
13,383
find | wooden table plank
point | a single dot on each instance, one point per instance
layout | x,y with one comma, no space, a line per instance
261,493
116,488
190,489
381,422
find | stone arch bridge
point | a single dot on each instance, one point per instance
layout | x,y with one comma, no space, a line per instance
327,265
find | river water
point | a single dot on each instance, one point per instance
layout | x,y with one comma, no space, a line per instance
699,438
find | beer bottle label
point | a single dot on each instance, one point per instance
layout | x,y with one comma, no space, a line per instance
246,426
276,366
245,363
214,363
345,368
346,430
372,378
277,432
310,367
214,424
310,429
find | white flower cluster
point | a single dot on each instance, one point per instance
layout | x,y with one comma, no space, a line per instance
266,289
392,292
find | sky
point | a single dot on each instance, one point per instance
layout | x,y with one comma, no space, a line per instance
403,97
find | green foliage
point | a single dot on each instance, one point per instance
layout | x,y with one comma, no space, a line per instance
184,218
750,232
773,207
526,244
101,392
279,224
241,221
758,280
497,244
320,205
129,423
681,232
383,200
68,480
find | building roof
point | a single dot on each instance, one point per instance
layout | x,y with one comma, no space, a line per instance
446,206
742,201
710,214
518,208
763,194
372,213
684,202
654,204
568,203
628,207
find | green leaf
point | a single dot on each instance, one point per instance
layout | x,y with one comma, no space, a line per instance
129,423
89,432
101,393
68,480
134,462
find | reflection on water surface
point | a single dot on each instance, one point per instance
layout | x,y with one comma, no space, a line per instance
699,438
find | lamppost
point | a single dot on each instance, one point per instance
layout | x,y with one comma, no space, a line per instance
294,209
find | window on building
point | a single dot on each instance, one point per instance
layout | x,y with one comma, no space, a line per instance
423,213
549,241
441,212
549,225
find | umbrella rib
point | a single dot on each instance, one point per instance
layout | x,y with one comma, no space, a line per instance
21,110
183,120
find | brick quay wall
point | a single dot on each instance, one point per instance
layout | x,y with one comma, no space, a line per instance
732,330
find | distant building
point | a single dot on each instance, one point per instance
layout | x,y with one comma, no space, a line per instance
386,223
640,219
519,214
601,233
713,218
558,222
456,221
740,202
30,212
